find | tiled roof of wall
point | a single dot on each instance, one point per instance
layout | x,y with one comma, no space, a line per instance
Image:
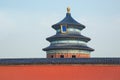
26,61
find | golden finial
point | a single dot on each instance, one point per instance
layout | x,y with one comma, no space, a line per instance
68,9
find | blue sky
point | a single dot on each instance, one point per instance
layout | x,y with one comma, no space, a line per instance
24,25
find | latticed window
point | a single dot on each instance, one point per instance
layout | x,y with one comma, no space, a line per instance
73,56
61,56
52,56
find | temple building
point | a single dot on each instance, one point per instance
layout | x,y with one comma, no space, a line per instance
68,42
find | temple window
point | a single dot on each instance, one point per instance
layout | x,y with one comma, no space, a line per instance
73,56
51,56
61,56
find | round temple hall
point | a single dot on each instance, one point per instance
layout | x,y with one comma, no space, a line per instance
68,41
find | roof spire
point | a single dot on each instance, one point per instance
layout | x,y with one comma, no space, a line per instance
68,9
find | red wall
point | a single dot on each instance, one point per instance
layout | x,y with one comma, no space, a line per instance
60,72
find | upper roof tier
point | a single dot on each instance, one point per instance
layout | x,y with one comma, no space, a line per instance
68,20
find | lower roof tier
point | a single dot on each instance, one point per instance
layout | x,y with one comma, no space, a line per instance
64,47
68,36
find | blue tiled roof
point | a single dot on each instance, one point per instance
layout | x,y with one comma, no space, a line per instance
69,36
68,46
69,21
33,61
